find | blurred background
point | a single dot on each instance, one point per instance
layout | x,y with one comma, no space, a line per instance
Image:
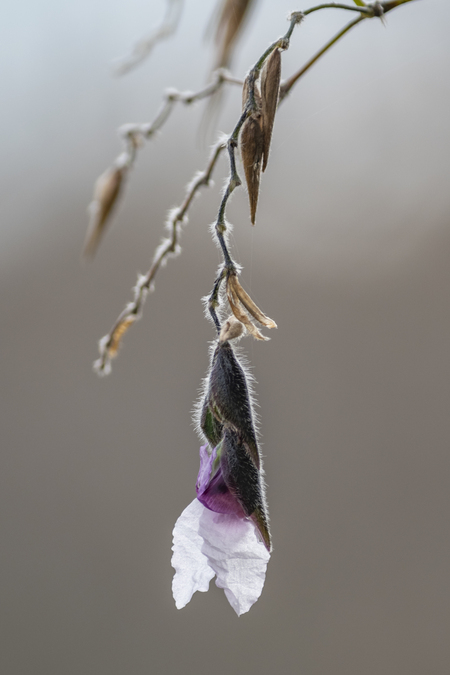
350,255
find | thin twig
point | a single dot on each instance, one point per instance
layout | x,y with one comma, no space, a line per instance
109,344
234,181
377,9
288,84
134,134
143,48
111,183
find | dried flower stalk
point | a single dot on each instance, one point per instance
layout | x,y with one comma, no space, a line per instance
109,344
134,137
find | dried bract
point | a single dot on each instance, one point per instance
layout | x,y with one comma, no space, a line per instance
106,192
250,306
270,89
241,315
232,328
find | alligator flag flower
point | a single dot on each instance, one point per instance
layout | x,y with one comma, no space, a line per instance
224,532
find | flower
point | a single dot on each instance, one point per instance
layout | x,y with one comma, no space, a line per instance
212,491
225,531
213,537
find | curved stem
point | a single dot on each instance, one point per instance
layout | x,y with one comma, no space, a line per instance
288,84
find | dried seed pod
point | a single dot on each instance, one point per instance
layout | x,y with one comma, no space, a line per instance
245,299
241,315
252,145
117,334
230,21
270,89
106,192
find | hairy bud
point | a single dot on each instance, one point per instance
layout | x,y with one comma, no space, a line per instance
229,400
243,480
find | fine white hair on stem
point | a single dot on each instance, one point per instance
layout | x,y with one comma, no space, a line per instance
134,135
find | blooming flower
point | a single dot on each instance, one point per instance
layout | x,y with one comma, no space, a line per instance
213,537
225,531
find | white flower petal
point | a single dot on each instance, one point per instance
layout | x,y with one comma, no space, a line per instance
207,543
192,572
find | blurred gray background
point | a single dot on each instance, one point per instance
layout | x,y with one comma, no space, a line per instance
351,257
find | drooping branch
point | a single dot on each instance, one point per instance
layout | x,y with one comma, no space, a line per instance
169,247
143,48
237,297
110,184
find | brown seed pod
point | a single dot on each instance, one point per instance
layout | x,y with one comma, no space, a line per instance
231,17
252,144
117,334
270,89
106,192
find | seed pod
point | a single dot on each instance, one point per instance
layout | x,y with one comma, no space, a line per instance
252,145
117,334
245,299
228,398
229,24
244,482
106,191
270,89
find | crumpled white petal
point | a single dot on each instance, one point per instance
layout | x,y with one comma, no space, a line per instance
206,544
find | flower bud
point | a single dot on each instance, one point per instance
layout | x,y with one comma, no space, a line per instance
229,398
243,481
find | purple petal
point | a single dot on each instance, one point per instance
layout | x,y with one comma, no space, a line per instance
213,492
206,463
